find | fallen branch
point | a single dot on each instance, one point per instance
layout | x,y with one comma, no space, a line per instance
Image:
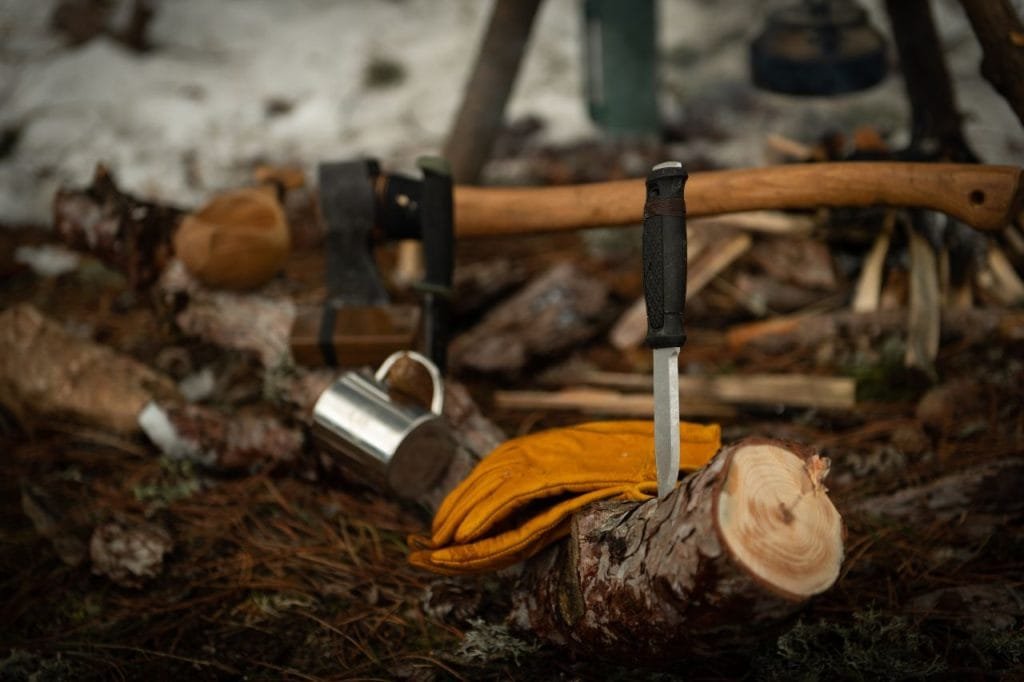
739,545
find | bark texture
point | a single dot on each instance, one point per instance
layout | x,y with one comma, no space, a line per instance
661,580
1001,34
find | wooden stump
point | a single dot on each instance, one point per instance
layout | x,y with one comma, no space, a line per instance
739,545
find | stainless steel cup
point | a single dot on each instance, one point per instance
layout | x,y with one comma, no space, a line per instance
400,446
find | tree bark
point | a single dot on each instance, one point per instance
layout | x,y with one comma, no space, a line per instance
1001,34
936,121
739,545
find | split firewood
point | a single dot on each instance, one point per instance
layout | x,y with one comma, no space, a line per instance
781,333
999,279
867,295
805,263
561,308
705,264
762,294
786,149
130,235
798,390
765,222
478,284
924,313
739,546
952,517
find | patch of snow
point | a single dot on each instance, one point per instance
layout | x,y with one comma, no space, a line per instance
48,260
236,82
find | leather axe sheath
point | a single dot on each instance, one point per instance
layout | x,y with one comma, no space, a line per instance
985,197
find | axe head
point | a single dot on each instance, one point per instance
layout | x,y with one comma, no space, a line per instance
357,325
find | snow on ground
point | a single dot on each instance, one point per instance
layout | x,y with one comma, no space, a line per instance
235,82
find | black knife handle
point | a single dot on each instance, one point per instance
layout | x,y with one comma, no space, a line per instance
437,225
664,255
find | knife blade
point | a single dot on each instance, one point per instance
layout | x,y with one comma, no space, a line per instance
664,278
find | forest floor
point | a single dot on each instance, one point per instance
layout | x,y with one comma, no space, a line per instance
286,571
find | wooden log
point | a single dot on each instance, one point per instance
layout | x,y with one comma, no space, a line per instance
740,545
560,308
808,330
986,197
798,390
707,263
46,371
999,278
763,222
607,403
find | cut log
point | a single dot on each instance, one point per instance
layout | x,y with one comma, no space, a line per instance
739,545
46,371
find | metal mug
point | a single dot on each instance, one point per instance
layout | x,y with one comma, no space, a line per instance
400,446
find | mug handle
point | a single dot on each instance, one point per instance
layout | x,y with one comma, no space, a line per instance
437,400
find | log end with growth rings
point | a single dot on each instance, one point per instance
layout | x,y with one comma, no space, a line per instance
775,518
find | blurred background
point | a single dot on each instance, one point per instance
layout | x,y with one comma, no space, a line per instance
184,97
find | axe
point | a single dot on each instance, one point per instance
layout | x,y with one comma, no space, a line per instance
358,324
985,197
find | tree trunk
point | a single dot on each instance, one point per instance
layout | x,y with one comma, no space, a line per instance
1001,34
739,545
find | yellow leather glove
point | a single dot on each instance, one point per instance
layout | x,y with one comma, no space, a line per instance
522,495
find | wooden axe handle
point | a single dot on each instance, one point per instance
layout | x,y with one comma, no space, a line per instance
986,197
